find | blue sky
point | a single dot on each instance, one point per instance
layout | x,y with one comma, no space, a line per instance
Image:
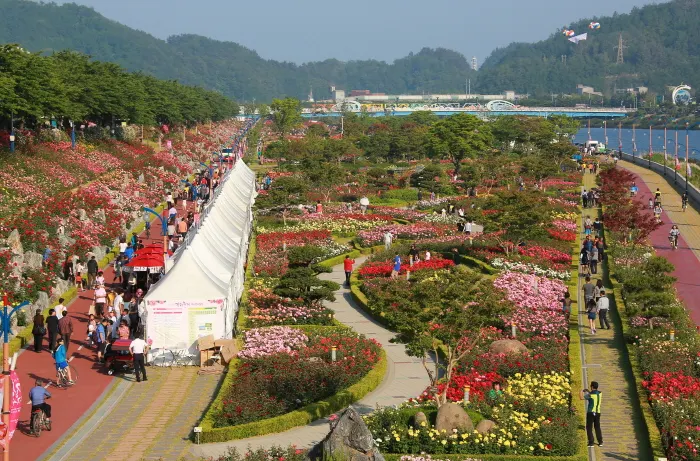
310,30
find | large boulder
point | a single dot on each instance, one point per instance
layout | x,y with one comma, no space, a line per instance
507,346
15,243
100,215
98,252
41,303
484,426
420,420
349,439
451,416
33,260
82,214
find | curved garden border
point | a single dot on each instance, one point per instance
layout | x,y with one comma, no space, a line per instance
296,418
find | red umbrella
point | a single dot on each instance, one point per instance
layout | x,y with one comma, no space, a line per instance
146,262
154,249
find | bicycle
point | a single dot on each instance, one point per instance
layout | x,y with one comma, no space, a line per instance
62,380
684,204
39,422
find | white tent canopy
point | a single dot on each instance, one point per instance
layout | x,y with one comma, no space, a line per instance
199,294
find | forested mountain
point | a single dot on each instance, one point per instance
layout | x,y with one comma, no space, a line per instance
224,66
663,48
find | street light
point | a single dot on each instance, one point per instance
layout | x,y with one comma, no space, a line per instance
7,391
687,147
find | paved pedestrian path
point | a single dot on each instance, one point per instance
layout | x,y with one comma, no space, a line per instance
405,378
686,258
151,420
605,360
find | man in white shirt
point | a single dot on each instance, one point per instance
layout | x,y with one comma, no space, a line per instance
122,247
603,307
118,303
138,349
388,239
60,309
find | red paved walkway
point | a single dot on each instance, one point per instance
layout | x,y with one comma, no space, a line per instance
68,405
684,259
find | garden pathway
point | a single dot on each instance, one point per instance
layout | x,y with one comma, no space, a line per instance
405,378
605,360
686,257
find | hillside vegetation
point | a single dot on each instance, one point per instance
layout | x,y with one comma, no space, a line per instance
663,48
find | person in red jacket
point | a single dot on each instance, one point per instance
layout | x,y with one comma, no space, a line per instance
347,265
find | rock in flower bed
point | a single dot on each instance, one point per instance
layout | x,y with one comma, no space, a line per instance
266,308
272,384
532,417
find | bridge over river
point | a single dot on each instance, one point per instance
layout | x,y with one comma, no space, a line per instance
492,109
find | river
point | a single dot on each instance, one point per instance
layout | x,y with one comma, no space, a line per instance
598,134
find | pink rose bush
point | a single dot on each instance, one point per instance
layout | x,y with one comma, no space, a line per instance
531,291
260,342
266,308
412,231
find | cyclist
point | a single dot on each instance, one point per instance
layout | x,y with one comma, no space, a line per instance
59,355
673,236
38,396
684,200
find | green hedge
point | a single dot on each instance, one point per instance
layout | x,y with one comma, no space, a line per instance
296,418
459,457
618,315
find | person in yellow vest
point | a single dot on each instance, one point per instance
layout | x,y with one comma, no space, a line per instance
593,400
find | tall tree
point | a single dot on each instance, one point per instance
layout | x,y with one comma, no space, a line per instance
286,115
459,137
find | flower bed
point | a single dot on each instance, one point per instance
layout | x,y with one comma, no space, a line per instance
348,223
266,309
270,384
531,291
384,268
412,231
530,268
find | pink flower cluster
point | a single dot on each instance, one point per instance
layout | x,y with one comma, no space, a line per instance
260,342
531,291
412,231
565,225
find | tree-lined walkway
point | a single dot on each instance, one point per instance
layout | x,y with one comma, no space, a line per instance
686,257
405,378
606,361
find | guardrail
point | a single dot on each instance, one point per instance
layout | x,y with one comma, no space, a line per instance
672,176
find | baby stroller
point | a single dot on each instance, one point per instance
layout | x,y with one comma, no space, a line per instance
118,357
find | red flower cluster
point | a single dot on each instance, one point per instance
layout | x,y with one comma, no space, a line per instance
479,385
383,268
671,386
277,239
550,254
560,234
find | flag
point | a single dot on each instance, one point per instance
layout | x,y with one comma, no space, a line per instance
578,38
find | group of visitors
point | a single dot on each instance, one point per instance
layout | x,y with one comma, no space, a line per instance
597,304
592,252
590,198
59,328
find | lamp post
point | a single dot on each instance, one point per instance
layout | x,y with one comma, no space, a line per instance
72,134
619,139
687,151
675,159
12,132
650,147
634,143
665,150
7,391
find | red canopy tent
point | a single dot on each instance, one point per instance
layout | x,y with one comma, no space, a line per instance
152,263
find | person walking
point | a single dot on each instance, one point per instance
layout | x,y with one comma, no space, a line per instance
588,291
603,308
412,255
92,269
138,349
65,328
52,328
388,239
38,330
592,312
593,398
594,260
585,262
347,266
397,266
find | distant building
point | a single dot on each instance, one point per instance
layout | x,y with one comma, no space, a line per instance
509,95
636,90
584,90
338,95
360,93
475,63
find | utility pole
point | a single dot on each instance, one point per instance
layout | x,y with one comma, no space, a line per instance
620,50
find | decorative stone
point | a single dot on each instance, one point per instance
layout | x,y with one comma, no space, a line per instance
507,346
42,301
484,426
15,243
100,215
452,416
419,419
349,439
142,179
98,253
32,260
82,214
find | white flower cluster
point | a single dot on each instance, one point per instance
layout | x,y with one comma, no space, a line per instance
529,268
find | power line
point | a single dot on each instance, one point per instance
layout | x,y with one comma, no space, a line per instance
620,50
